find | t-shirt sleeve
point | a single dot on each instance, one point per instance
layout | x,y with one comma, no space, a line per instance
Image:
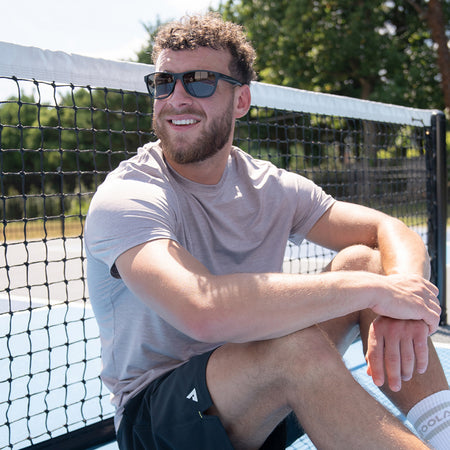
127,213
311,203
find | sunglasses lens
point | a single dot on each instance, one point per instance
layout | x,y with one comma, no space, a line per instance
160,84
200,83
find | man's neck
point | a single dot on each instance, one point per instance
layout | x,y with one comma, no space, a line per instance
209,171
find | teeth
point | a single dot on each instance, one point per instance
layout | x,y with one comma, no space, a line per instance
184,122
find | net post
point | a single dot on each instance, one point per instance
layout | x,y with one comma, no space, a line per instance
438,127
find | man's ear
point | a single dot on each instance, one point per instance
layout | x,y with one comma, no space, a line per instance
243,102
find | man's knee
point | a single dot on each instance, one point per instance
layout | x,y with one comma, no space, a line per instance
306,353
357,257
281,360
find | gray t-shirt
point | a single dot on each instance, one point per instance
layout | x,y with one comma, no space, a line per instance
239,225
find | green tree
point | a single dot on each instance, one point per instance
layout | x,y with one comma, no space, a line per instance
66,148
436,15
145,54
379,50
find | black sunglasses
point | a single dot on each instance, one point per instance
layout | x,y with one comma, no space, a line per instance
198,83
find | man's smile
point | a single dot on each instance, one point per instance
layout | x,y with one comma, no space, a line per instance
183,121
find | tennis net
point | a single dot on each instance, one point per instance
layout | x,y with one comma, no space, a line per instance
67,120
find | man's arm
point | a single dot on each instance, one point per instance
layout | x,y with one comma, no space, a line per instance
394,346
401,249
247,307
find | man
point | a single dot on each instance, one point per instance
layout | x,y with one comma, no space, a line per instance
205,344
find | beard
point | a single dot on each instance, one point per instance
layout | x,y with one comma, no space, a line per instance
206,145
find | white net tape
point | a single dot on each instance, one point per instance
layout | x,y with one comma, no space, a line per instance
60,67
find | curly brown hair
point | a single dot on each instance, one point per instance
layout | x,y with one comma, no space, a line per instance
211,31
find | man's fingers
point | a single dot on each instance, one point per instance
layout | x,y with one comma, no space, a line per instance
375,359
433,288
421,353
432,302
396,350
393,364
407,359
433,320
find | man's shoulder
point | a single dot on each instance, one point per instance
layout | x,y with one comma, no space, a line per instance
141,177
146,165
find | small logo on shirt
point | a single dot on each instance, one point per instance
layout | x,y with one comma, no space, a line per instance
192,396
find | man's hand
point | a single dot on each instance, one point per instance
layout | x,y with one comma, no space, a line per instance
408,297
395,348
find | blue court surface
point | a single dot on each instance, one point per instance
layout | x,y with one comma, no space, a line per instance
48,375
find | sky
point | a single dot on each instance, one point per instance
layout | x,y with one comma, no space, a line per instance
110,29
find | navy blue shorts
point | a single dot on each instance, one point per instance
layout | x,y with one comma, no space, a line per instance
170,414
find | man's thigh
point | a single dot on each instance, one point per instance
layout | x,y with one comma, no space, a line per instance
175,412
251,384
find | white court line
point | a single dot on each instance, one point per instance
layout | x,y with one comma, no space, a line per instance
445,345
41,302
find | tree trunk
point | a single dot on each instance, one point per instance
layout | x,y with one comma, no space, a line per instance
436,23
434,17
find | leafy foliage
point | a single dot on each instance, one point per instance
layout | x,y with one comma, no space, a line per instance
66,148
379,50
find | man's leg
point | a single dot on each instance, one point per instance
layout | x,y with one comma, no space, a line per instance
420,386
424,398
254,386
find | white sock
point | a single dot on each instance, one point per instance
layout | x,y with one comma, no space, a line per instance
431,419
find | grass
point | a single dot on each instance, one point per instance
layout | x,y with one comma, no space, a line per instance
26,231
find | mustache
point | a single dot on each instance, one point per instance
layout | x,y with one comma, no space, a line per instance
171,111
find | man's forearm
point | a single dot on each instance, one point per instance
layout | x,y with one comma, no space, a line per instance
271,305
246,307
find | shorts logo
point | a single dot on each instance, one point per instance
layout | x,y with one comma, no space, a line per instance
192,395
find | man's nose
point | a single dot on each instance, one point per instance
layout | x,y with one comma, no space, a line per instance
179,94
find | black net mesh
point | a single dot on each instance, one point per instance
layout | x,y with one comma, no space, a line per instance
57,143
